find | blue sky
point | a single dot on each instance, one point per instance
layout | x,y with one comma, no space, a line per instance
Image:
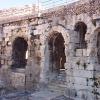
13,3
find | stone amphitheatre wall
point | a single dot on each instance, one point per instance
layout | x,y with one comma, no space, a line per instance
79,25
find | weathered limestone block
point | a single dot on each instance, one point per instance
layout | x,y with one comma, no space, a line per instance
68,65
74,37
92,60
62,22
6,39
83,73
88,52
8,51
70,53
41,21
71,46
84,52
35,22
69,72
83,81
79,52
98,90
80,63
5,76
33,74
2,62
36,32
97,68
9,62
42,50
0,38
80,81
70,93
79,92
92,52
92,44
85,94
18,80
90,66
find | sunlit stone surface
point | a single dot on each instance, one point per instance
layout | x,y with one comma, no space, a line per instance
55,56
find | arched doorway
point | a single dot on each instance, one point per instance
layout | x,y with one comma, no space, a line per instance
48,64
56,48
81,29
98,47
19,49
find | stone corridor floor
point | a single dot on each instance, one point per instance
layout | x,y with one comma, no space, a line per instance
53,91
40,95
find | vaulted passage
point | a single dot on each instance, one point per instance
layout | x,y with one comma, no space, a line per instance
19,49
57,51
98,46
81,29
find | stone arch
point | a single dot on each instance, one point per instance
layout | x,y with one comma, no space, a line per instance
45,71
19,48
81,29
25,37
63,31
56,49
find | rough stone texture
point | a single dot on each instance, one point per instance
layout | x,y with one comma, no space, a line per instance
42,95
81,77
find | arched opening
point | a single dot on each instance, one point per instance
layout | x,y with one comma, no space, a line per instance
81,29
57,51
98,46
19,49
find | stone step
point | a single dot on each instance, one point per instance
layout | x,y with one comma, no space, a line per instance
45,95
57,81
62,97
57,87
61,78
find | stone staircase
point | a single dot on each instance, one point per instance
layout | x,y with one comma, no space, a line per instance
59,82
53,91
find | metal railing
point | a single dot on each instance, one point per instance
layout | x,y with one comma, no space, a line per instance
47,4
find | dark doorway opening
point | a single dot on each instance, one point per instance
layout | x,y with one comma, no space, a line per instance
57,51
19,49
81,29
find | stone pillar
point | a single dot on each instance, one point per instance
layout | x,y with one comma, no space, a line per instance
79,71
